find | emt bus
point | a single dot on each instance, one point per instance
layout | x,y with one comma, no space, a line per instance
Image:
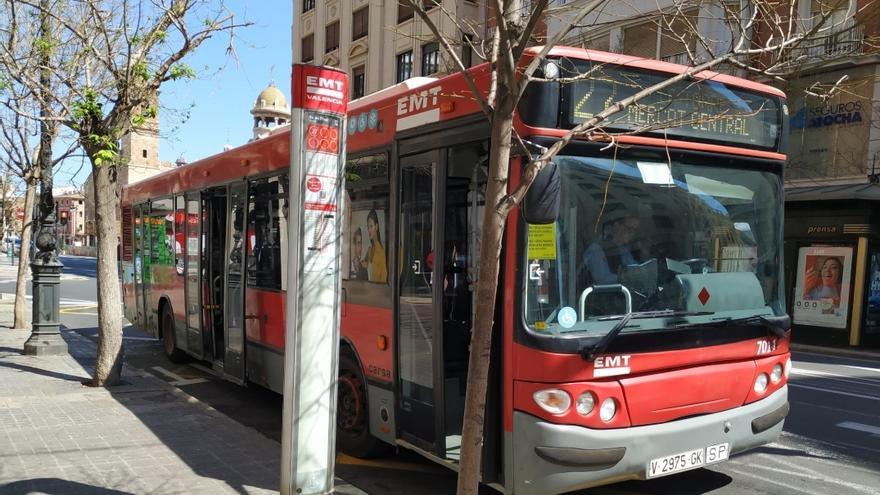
671,355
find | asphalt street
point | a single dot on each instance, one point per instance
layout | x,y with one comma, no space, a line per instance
830,444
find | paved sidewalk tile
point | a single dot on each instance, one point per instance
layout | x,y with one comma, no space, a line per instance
58,436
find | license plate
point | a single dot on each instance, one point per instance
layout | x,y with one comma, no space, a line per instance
684,461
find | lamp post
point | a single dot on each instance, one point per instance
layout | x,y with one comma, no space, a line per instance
45,336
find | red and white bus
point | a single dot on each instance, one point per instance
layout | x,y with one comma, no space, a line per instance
640,329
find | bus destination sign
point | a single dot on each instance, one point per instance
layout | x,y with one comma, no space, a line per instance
704,110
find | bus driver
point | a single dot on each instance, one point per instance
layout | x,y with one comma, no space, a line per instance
604,258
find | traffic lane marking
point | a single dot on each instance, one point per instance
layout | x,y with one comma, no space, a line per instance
800,473
835,376
797,489
177,380
78,310
852,425
831,391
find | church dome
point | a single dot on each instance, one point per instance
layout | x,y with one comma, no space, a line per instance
271,98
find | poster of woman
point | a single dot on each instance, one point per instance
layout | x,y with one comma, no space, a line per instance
367,259
821,295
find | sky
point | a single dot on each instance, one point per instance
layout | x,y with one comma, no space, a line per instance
224,92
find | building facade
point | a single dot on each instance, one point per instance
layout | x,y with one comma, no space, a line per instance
139,159
270,111
832,206
382,43
70,219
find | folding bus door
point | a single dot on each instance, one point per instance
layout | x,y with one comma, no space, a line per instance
419,330
234,305
139,235
192,269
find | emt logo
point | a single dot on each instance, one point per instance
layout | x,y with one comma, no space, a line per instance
611,365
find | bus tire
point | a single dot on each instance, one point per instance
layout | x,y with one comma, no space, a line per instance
174,354
352,413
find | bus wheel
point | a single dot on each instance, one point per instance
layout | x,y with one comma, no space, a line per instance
352,415
174,354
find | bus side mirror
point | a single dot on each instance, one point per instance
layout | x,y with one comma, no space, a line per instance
541,204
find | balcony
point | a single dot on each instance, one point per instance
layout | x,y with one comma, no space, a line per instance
846,41
678,58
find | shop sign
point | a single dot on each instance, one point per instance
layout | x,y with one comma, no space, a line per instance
849,112
822,229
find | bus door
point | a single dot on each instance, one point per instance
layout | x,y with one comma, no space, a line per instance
139,234
233,362
214,258
418,315
193,275
464,199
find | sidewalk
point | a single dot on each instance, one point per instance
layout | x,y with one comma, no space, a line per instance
143,437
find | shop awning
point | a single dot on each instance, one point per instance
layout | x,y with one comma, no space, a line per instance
869,192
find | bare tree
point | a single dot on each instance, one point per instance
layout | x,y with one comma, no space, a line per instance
123,51
761,36
21,45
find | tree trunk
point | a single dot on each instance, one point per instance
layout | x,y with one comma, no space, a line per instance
20,311
108,363
494,220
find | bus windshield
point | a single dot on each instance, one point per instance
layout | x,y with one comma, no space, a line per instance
695,243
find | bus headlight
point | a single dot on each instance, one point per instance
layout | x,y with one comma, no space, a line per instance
585,403
761,383
776,374
553,400
608,409
787,367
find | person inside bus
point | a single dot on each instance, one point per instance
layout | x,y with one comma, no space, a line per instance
374,262
604,258
358,270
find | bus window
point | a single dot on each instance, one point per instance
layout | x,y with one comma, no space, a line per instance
366,221
179,239
267,233
161,232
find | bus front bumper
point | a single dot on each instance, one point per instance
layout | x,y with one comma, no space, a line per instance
551,458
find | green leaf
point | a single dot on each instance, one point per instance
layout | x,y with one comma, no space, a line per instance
141,70
181,71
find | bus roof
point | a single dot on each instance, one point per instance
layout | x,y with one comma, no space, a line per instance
375,120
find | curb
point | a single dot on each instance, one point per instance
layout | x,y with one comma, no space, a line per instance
836,351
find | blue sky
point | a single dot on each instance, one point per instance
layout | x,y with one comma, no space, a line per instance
224,92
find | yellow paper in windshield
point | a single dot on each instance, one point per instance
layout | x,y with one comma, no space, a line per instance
542,242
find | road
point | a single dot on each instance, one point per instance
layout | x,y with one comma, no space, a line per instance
830,444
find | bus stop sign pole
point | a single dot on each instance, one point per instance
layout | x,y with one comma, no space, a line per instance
311,354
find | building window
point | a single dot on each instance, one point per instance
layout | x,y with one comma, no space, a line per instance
308,48
332,37
360,22
404,12
430,58
308,5
466,51
429,4
358,82
144,153
404,66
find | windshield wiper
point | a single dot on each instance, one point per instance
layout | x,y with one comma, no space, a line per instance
589,353
775,326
